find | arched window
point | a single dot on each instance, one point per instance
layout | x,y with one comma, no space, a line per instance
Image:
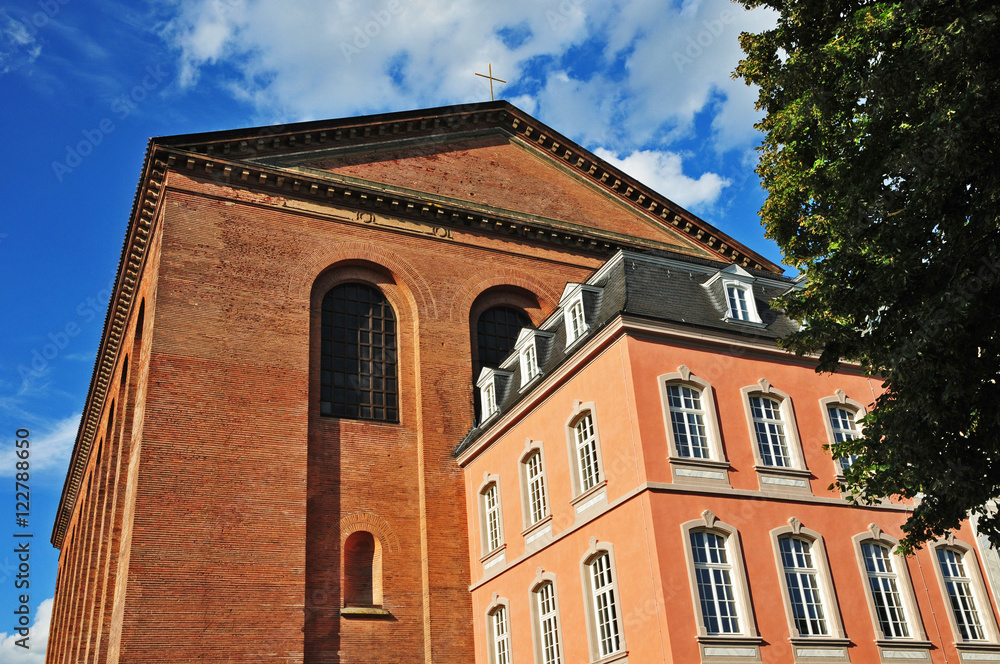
496,332
601,602
362,570
358,355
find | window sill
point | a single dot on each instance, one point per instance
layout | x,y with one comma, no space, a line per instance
903,644
364,612
782,479
530,382
820,648
495,553
583,502
699,471
614,658
537,527
748,323
832,641
729,648
977,646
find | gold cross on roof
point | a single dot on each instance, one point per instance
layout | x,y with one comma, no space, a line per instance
491,77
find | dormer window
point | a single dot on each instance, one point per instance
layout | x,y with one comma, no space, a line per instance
491,385
578,300
732,290
737,302
530,347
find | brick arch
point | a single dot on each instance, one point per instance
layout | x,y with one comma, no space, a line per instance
478,284
372,523
323,258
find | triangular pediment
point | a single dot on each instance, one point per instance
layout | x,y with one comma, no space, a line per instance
490,159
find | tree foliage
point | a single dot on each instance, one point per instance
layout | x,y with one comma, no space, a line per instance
880,162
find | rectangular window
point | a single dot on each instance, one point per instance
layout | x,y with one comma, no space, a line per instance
489,400
576,323
548,624
491,505
803,587
738,303
963,602
715,587
770,431
844,428
885,591
501,637
687,421
605,609
586,449
537,503
529,363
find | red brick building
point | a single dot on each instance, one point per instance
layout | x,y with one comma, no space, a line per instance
266,466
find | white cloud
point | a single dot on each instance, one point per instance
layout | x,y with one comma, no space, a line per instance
38,638
18,47
642,70
49,449
663,171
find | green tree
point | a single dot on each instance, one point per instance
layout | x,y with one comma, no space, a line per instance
880,162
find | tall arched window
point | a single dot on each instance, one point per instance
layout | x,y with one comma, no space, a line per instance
358,355
496,332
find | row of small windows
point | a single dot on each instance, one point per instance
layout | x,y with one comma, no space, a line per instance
602,608
587,472
770,419
724,601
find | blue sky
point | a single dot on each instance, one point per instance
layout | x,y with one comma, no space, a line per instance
643,83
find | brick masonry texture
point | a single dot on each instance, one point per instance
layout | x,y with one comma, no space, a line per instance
213,529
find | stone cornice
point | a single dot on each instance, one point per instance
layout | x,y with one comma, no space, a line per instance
130,266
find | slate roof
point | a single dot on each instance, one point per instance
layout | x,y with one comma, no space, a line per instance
651,285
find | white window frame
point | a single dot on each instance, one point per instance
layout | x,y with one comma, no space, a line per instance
546,624
737,296
604,643
857,411
534,486
977,588
712,469
747,636
792,479
834,640
900,573
499,645
492,517
490,555
581,411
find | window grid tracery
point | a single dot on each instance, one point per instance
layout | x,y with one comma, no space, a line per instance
804,594
548,624
501,637
960,594
844,428
883,583
358,362
769,428
605,607
586,448
713,572
537,500
688,421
